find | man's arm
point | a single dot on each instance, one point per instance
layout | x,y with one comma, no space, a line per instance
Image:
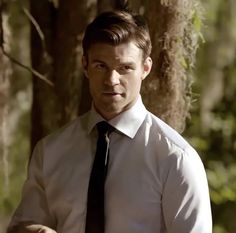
33,214
30,228
186,202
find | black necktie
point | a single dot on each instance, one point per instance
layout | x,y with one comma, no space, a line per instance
95,203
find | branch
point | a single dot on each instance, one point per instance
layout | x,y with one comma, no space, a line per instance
37,27
30,69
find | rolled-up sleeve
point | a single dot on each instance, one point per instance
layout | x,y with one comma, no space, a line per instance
186,202
34,204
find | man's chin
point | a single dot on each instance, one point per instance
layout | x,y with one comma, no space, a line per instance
112,110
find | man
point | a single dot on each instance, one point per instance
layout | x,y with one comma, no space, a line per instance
153,180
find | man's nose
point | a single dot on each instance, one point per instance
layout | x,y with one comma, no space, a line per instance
112,78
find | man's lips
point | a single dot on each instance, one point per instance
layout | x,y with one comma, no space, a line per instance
111,93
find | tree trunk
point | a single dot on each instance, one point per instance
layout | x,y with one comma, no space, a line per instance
44,110
106,5
167,91
73,17
5,72
59,60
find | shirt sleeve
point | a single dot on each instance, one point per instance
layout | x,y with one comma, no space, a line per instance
34,206
185,201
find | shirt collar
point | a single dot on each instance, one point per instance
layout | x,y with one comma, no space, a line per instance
127,122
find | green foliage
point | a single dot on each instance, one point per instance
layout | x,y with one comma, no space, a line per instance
18,157
216,140
219,229
222,180
197,22
18,121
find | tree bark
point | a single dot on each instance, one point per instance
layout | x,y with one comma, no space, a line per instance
106,5
73,17
59,60
167,90
44,110
5,72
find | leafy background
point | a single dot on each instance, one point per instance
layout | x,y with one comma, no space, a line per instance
211,128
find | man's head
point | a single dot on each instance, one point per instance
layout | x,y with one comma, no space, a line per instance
117,27
116,59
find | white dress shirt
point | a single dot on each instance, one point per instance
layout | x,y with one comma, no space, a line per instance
156,182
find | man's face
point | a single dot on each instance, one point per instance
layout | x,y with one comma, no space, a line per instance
115,75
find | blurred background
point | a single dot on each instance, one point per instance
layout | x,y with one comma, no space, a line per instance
206,65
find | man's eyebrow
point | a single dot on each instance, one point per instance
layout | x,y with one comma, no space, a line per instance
121,63
128,63
97,61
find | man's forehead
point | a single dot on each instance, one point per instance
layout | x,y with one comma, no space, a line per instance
126,52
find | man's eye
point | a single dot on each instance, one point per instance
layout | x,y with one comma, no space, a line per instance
125,68
100,66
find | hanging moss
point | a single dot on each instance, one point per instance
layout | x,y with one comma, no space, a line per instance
175,31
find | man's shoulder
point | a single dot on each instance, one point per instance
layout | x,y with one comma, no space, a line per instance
166,133
73,129
171,145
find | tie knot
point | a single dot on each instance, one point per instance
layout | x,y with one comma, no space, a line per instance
103,127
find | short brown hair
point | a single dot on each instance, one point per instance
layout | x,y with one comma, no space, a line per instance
117,27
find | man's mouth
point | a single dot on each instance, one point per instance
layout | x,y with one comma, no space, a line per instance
111,93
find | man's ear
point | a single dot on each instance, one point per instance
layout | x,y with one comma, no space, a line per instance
147,66
85,65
